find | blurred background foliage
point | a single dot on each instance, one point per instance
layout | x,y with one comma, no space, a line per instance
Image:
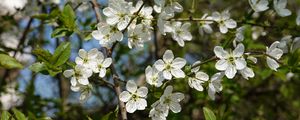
43,25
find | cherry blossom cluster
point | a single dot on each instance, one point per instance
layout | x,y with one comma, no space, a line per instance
136,23
87,63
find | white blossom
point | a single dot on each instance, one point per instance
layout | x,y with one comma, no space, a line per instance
10,7
166,13
239,35
118,13
145,14
276,53
180,32
10,98
197,80
215,85
279,6
257,32
101,64
107,34
230,62
204,26
171,100
79,74
153,76
224,21
247,73
85,91
259,5
134,97
285,42
87,59
298,18
137,35
170,66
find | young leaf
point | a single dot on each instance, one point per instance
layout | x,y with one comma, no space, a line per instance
42,55
37,67
60,32
9,62
209,115
5,115
19,115
61,54
68,17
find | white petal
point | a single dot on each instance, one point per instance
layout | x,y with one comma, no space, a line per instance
240,63
247,72
168,90
230,72
230,23
73,81
211,92
131,86
159,65
167,75
141,104
223,28
178,63
107,62
97,35
175,107
142,91
102,72
177,97
177,7
276,53
220,52
178,73
222,64
125,96
202,76
83,81
82,53
168,56
131,106
69,73
239,50
272,63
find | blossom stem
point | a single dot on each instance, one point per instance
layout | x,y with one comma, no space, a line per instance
206,61
190,19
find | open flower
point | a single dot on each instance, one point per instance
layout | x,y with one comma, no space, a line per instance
204,26
85,91
215,85
171,100
230,62
224,21
259,5
197,81
107,34
279,6
180,32
137,35
79,74
135,97
118,13
170,66
101,64
87,59
153,76
275,54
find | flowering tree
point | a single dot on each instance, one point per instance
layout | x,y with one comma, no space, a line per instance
154,59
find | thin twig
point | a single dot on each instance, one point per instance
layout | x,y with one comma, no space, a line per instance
206,61
96,10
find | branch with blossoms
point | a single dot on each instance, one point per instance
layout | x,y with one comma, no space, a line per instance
136,24
231,47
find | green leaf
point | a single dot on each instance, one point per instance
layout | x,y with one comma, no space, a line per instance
68,17
109,116
5,115
37,67
19,115
61,54
209,115
60,32
9,62
42,55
